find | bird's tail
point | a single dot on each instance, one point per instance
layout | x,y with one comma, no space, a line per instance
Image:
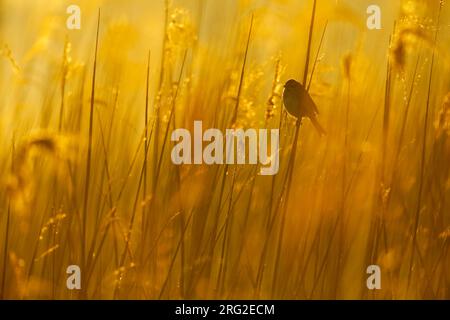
318,127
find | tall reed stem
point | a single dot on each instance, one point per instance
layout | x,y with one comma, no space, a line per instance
89,152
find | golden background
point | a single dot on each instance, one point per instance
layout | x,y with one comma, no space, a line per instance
86,175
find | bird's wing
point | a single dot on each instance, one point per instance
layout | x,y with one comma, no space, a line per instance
310,102
296,94
310,106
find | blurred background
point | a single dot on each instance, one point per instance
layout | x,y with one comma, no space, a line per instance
85,169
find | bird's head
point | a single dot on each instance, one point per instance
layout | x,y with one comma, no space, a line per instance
291,84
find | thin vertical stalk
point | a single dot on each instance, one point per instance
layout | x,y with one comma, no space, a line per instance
146,146
5,248
291,165
423,155
89,150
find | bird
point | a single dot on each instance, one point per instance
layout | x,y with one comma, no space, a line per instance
299,104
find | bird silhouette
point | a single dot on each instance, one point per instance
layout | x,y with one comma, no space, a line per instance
299,104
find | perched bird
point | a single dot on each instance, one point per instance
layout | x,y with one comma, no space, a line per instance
299,104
